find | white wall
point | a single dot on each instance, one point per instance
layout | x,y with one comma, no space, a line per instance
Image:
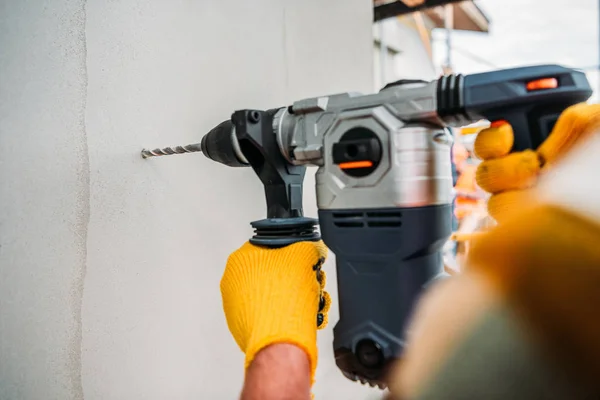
109,264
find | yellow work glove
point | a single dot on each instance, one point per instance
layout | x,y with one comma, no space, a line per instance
276,296
508,176
545,262
544,257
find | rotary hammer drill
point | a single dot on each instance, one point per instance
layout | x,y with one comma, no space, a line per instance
383,185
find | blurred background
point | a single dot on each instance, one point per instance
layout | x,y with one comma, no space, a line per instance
109,264
469,37
476,36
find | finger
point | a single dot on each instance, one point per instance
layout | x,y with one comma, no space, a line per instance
321,278
325,303
575,122
464,237
513,172
322,321
321,250
494,142
323,315
502,205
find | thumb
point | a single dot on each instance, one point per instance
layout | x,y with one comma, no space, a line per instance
494,142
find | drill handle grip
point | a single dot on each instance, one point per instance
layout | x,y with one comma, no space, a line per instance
529,98
531,125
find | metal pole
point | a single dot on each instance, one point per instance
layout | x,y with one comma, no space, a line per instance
449,26
383,54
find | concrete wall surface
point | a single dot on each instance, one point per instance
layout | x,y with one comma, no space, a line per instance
110,264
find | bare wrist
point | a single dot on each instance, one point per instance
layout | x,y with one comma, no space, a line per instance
279,371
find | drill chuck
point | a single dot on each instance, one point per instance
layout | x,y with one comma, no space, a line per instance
221,145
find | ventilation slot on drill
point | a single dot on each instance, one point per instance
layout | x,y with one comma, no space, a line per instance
384,219
373,219
348,220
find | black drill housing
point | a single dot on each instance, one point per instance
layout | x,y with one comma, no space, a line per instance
507,95
283,182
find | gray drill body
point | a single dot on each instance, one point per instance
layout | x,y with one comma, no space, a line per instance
415,168
387,228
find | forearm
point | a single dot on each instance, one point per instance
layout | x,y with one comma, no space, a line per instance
280,371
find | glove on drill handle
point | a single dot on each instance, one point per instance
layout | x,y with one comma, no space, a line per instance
381,270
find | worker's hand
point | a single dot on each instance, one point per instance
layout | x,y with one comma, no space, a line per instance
533,279
276,296
531,288
508,176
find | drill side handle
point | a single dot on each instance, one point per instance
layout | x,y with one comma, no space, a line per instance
385,258
282,181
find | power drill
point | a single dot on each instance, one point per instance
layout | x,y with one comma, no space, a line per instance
383,186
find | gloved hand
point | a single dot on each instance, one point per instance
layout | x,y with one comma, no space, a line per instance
525,308
508,176
545,259
276,296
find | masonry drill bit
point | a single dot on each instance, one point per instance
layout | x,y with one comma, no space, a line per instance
167,151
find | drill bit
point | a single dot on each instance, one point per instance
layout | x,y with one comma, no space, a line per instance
167,151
